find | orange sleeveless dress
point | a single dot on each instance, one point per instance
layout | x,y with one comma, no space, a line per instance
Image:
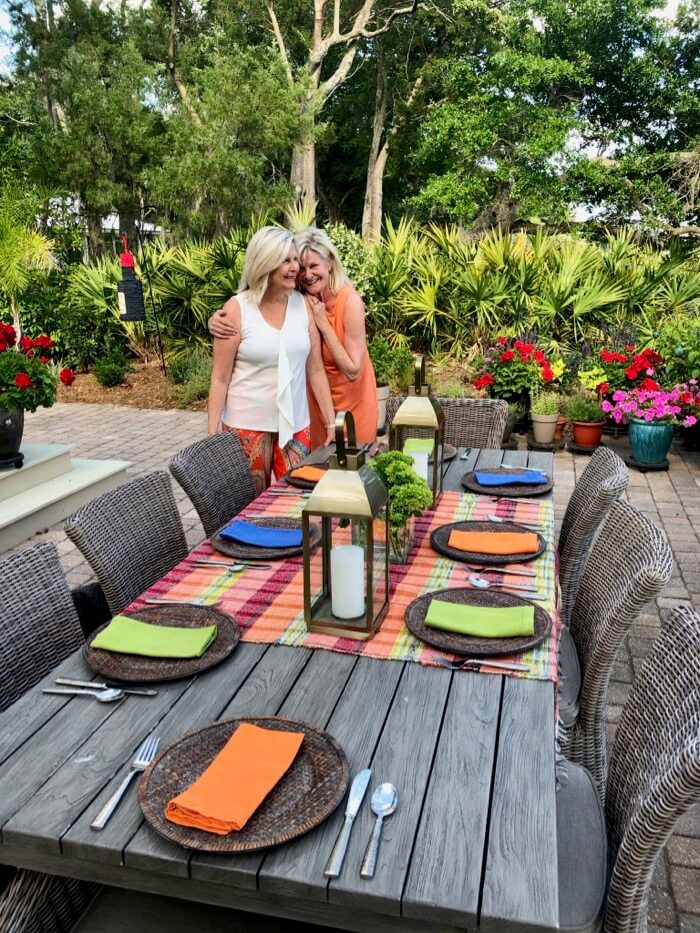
359,397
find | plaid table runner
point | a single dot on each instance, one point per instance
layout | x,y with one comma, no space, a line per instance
268,604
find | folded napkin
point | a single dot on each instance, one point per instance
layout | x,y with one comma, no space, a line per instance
310,473
481,621
494,542
418,445
230,790
132,636
261,536
535,478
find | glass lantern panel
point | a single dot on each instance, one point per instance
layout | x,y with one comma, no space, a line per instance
380,560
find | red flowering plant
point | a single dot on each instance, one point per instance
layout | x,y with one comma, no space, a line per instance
28,376
510,367
621,369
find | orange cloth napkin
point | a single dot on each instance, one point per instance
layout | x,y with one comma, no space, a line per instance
237,781
494,542
311,473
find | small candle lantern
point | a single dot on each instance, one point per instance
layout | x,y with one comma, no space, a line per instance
346,579
418,429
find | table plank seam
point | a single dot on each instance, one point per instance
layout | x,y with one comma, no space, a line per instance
492,788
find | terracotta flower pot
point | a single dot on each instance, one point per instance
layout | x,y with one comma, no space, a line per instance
587,433
561,424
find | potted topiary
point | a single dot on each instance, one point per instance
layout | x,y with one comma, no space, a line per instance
393,367
544,414
409,495
587,419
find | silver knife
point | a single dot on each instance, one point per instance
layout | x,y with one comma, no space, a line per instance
98,685
357,794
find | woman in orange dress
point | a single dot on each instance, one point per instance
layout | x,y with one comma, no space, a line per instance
339,313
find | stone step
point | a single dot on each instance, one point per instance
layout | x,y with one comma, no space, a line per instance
42,462
36,509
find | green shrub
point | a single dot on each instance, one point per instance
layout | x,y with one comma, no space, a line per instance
192,373
393,366
111,369
584,408
678,341
449,390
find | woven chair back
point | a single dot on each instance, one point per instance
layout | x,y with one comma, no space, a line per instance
602,483
654,766
39,625
469,422
215,475
629,564
131,536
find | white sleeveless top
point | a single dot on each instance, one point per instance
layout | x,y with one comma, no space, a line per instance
267,391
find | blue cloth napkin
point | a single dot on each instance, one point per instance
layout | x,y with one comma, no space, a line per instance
502,479
261,536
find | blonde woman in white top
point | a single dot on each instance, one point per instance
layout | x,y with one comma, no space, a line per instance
258,380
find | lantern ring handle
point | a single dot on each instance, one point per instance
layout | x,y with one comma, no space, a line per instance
344,419
419,373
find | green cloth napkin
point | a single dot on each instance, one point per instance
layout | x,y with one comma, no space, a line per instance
132,636
418,445
481,621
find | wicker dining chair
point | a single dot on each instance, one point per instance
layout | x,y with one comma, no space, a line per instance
131,536
469,422
39,628
653,780
629,564
601,483
216,476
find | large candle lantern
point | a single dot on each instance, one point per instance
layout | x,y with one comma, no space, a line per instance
418,428
346,578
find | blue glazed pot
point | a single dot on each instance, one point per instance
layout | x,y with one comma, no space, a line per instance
650,441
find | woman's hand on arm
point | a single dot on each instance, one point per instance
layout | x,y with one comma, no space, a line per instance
221,324
223,361
348,355
318,380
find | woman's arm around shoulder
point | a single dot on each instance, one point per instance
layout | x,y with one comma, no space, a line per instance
224,357
318,380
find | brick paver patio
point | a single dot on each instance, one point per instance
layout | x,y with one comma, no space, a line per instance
150,438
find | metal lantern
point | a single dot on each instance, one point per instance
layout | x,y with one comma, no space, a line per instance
419,419
129,290
346,579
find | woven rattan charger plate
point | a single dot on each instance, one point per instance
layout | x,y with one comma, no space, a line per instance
304,483
252,552
307,794
514,490
135,668
441,535
471,644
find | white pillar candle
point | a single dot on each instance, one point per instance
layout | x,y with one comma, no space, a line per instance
347,581
420,464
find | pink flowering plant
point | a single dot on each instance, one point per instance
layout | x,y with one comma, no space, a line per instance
679,405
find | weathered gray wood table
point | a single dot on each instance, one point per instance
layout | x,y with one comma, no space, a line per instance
472,844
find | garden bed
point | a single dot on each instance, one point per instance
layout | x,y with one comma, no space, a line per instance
146,387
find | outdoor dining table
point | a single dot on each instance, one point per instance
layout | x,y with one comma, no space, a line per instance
472,844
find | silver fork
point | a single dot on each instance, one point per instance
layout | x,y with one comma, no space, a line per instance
144,756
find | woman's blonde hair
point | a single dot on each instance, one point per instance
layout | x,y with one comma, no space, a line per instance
267,249
311,238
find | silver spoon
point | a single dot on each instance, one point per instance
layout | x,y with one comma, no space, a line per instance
513,521
111,695
482,584
385,799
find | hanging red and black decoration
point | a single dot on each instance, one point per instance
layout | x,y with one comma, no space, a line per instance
129,290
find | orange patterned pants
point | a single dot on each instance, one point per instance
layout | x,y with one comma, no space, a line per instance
265,456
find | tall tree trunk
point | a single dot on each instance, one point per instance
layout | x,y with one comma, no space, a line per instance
374,187
303,174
